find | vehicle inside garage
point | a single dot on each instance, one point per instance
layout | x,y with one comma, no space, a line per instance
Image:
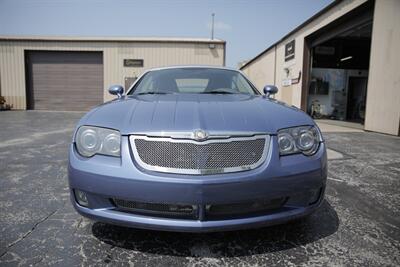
339,69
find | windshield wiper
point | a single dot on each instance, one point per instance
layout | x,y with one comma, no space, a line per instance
153,93
219,92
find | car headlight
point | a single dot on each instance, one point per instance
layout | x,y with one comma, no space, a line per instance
303,139
92,140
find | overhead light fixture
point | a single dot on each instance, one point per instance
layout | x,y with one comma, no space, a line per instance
346,58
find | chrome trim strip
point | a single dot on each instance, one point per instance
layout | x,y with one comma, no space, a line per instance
189,135
228,139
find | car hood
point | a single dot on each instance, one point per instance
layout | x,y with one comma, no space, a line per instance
188,112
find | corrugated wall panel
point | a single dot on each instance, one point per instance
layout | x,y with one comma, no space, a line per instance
154,54
262,71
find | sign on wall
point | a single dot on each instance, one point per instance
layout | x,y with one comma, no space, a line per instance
289,50
290,81
286,82
133,62
325,50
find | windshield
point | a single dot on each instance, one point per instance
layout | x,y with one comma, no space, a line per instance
193,81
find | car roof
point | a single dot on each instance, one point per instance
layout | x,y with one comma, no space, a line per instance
193,66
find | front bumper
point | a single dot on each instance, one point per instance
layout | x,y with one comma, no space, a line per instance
300,180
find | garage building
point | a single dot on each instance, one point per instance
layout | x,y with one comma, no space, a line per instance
74,73
342,64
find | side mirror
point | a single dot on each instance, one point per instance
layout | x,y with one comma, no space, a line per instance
116,90
270,90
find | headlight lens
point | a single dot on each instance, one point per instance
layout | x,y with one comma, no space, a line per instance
286,143
303,139
92,140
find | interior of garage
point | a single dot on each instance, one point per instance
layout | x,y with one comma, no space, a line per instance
339,66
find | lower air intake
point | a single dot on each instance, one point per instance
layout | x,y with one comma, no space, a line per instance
157,209
244,209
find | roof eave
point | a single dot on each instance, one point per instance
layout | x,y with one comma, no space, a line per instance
308,21
109,39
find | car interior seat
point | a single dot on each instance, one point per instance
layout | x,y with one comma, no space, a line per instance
218,82
166,84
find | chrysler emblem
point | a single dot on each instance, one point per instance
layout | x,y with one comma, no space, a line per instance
200,135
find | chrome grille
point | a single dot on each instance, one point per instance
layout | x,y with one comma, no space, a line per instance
194,157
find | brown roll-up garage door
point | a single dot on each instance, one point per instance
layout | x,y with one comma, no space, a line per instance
64,80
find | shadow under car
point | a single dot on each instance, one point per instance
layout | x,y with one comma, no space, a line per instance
322,223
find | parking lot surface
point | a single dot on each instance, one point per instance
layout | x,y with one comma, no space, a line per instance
358,223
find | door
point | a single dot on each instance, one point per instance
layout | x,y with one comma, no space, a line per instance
356,98
64,80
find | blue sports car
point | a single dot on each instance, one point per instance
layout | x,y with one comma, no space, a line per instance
196,149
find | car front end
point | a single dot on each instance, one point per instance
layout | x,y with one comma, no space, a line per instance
161,170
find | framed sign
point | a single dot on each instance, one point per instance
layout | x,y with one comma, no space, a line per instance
287,82
289,50
133,63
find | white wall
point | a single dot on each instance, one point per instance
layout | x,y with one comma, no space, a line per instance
383,97
262,71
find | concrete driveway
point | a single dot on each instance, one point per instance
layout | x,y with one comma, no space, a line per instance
358,224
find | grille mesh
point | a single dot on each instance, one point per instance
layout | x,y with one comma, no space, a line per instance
160,209
210,211
192,156
231,210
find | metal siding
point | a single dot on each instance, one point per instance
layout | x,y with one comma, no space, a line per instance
262,70
383,93
155,54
